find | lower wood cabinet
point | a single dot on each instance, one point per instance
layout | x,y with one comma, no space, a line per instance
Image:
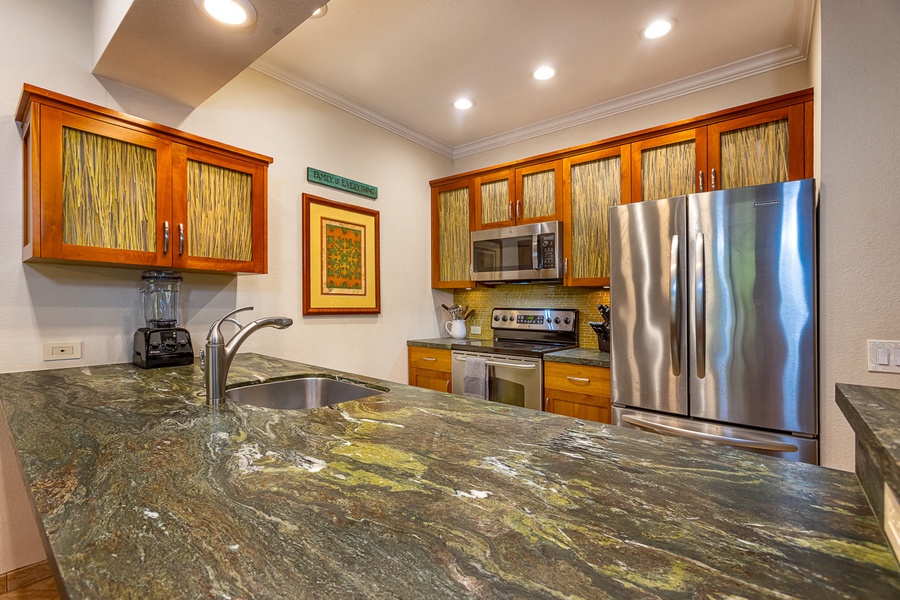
577,391
430,368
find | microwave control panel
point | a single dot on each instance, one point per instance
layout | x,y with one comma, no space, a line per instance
547,244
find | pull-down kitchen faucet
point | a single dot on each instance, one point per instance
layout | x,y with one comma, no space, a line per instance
216,360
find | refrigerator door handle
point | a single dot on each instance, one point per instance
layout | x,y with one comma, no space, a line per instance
700,307
674,309
709,437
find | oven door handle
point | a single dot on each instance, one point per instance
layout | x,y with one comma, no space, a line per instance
491,363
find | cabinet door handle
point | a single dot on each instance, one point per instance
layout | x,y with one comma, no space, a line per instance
712,179
518,209
181,238
428,358
165,237
448,386
578,379
566,268
701,181
509,211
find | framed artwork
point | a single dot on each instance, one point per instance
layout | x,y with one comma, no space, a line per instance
341,263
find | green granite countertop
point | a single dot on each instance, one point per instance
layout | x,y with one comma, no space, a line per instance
441,342
144,492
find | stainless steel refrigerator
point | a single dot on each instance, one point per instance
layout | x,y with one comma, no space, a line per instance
713,312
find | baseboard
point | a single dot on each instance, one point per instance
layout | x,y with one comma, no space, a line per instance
18,578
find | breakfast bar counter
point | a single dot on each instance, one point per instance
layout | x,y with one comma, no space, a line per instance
142,491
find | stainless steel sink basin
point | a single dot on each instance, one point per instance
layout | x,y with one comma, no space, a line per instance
305,392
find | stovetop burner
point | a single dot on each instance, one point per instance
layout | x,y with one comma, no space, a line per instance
527,332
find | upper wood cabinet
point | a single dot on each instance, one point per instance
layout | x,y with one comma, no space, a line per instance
106,188
494,195
754,148
592,182
538,191
452,219
763,142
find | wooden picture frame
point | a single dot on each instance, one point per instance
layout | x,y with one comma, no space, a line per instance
341,258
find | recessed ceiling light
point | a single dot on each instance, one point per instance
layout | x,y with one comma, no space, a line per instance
319,12
230,12
545,72
463,104
658,28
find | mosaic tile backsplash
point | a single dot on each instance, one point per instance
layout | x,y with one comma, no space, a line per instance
483,300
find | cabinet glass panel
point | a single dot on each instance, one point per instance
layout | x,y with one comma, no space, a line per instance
219,212
668,170
596,185
453,212
539,194
108,192
495,201
755,155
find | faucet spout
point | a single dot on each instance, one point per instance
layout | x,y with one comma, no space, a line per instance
220,354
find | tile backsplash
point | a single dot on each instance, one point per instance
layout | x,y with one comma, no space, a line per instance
483,299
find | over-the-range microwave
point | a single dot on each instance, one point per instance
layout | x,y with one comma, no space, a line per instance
522,253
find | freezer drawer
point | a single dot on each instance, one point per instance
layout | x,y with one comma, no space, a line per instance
791,447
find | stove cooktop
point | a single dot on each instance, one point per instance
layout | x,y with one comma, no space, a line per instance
526,332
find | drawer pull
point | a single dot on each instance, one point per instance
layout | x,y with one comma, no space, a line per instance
578,379
428,358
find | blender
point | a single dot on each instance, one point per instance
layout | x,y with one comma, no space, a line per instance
161,343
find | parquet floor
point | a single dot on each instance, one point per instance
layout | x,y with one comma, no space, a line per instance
44,589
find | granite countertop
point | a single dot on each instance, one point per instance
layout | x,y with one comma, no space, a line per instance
578,356
145,492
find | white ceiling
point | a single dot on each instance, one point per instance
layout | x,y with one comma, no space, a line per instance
401,63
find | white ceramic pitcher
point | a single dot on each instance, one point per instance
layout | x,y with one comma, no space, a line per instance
456,328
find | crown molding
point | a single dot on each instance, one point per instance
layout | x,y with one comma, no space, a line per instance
329,95
748,67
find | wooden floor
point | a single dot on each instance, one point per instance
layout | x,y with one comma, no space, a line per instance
45,589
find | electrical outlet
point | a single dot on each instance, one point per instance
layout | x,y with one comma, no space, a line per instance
892,519
884,356
475,329
62,350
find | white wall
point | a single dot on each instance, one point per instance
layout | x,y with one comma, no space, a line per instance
859,212
49,44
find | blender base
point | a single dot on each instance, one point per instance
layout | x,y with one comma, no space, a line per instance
155,348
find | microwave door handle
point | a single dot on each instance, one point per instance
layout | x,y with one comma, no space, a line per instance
535,247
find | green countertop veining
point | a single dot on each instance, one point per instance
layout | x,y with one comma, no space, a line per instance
144,492
441,343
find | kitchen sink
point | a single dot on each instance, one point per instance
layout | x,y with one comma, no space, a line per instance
305,392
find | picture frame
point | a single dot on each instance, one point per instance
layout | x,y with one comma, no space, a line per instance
341,258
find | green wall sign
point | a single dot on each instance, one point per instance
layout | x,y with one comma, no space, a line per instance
341,183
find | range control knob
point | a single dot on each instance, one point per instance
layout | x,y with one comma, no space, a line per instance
556,320
567,320
496,317
505,318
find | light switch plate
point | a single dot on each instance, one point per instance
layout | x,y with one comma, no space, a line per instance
892,519
884,356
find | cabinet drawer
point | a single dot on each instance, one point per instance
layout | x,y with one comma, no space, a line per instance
433,359
579,379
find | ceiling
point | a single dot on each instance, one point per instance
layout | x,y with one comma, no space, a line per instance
401,63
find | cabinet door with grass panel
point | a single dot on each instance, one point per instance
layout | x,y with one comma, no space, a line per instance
451,220
538,191
99,190
766,147
430,368
494,200
577,391
220,212
592,183
669,165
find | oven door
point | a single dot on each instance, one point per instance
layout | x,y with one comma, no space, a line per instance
515,380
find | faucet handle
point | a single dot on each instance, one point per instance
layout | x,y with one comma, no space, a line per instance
215,335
